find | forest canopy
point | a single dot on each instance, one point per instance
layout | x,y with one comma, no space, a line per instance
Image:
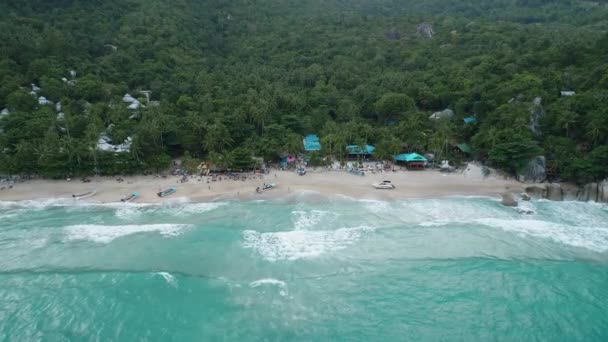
220,80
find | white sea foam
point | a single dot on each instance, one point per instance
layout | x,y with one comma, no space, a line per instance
106,234
376,207
309,219
169,278
301,244
10,214
271,281
593,238
44,203
192,208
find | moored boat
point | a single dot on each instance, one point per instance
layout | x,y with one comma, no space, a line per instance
384,185
84,195
130,197
265,187
167,192
356,172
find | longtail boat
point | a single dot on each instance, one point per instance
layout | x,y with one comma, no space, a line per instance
85,195
167,192
356,172
130,197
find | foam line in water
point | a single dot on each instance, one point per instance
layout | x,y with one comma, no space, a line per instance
300,244
169,278
308,219
593,238
271,281
106,234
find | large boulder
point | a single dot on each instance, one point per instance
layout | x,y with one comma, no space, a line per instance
555,192
508,200
589,192
536,113
425,30
444,114
535,171
536,192
602,195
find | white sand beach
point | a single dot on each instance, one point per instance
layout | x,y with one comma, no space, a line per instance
409,184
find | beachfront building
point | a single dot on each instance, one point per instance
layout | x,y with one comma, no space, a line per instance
311,143
356,151
413,161
462,149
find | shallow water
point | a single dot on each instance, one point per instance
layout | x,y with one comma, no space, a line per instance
460,268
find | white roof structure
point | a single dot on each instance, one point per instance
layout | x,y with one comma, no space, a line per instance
60,116
43,101
134,105
65,80
58,107
567,93
128,98
73,73
35,88
5,111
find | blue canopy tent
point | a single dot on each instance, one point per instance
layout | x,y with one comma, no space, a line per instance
470,119
311,143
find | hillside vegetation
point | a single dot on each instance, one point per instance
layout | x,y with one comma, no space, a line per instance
232,79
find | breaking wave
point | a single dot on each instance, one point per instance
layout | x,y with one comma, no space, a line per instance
301,244
106,234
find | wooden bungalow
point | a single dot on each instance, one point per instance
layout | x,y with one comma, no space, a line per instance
413,161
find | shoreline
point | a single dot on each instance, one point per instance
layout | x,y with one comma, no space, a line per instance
319,183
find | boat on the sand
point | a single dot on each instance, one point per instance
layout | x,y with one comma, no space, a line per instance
265,187
84,195
356,172
167,192
384,185
130,197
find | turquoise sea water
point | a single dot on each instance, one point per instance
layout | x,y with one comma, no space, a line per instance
447,269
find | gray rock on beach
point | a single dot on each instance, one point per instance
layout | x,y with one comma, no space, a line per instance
508,200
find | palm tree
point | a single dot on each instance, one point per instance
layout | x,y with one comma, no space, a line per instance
566,119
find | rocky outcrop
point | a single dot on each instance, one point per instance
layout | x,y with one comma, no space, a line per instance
508,200
594,192
589,192
425,30
444,114
535,171
392,34
537,192
555,192
536,113
602,191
